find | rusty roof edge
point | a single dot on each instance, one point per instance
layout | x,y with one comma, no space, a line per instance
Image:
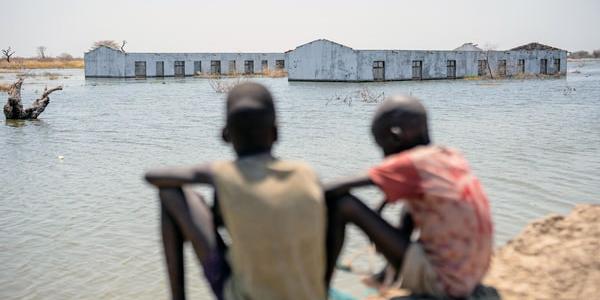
535,46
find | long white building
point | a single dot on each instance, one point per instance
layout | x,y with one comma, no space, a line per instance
324,60
108,62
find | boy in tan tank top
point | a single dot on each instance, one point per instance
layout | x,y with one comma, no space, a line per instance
273,210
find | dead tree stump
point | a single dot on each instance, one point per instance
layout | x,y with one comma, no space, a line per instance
14,109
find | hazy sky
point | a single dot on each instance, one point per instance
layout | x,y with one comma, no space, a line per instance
226,25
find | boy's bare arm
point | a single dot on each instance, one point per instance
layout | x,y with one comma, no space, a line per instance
176,177
344,185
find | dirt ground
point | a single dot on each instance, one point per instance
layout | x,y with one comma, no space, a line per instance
557,257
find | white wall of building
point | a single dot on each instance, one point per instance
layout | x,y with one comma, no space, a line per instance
106,62
324,60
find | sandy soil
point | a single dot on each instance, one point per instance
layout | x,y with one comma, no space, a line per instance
557,257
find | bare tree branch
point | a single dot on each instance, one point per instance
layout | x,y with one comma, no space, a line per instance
489,47
105,43
65,56
487,61
14,108
41,51
7,53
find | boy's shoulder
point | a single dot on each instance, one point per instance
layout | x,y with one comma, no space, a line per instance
424,158
430,152
296,167
292,165
262,164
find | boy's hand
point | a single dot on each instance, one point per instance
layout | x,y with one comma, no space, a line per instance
162,178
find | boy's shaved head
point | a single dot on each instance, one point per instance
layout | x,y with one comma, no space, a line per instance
400,123
251,122
250,96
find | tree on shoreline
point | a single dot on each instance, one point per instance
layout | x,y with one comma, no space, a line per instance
585,54
107,43
65,56
41,50
487,48
7,53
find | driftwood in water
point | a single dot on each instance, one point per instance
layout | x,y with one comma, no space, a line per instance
14,109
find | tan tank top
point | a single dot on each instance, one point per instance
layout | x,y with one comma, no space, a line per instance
275,214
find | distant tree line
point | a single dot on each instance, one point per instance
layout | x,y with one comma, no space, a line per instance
7,53
41,54
585,54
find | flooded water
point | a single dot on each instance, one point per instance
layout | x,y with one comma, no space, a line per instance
86,226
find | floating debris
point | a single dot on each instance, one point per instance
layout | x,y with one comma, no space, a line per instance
221,85
364,95
568,91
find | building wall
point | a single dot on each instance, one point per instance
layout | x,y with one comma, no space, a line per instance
105,62
323,60
398,64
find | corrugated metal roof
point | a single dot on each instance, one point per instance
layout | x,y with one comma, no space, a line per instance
468,47
535,46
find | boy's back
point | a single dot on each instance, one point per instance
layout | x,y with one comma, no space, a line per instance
449,208
274,211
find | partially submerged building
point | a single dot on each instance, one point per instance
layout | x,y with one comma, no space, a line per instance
108,62
324,60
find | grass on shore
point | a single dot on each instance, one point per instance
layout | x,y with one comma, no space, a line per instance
35,63
515,76
4,87
265,73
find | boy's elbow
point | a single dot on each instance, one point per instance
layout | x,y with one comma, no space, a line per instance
151,177
335,192
148,178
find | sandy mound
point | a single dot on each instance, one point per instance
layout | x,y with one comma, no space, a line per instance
556,257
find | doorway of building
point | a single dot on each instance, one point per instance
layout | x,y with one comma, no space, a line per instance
215,67
249,67
264,65
451,69
417,69
556,65
180,68
379,70
160,69
140,69
543,66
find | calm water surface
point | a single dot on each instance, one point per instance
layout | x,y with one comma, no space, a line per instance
86,227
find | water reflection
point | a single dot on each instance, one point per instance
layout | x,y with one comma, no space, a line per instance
78,222
23,123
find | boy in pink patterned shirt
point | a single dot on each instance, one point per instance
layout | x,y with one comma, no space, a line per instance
444,200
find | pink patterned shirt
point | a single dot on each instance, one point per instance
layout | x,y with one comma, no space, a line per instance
449,208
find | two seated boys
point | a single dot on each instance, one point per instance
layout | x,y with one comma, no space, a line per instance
286,233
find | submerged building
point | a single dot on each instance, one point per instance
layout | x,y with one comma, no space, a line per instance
324,60
108,62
